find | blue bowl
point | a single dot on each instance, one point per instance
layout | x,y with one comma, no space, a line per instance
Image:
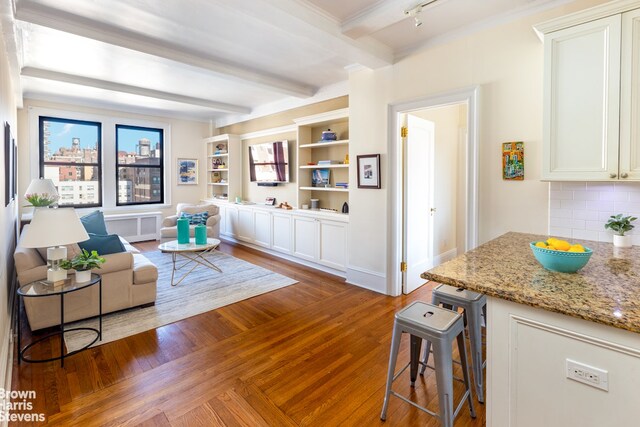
561,261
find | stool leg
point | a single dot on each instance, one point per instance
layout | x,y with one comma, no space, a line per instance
416,343
444,377
465,372
475,336
393,357
425,358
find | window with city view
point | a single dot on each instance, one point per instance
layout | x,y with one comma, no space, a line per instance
140,165
70,157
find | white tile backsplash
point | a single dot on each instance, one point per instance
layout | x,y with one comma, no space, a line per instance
579,210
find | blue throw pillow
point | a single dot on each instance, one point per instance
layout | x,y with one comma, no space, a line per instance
94,223
195,219
105,245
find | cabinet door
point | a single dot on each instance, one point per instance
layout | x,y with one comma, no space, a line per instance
305,238
231,214
223,219
246,223
281,236
333,244
630,97
262,229
581,101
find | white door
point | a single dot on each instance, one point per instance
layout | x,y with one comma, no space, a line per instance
305,238
418,201
262,229
281,240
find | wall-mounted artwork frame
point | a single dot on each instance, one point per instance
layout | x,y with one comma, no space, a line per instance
10,167
513,161
187,171
369,171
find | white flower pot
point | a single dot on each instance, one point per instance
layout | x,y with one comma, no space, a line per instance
622,241
83,276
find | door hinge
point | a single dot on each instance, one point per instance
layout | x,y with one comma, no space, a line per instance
403,266
404,132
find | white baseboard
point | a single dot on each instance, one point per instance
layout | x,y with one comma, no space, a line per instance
367,279
285,256
445,256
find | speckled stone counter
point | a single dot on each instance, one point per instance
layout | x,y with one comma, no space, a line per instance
606,290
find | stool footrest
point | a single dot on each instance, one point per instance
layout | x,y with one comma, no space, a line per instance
410,402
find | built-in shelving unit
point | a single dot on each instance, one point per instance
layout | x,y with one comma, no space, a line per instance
224,166
311,150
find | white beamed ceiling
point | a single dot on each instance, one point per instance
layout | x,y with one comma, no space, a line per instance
212,60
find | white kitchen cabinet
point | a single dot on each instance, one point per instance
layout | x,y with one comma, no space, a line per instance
630,97
246,224
332,249
305,238
581,100
592,95
281,236
262,228
222,211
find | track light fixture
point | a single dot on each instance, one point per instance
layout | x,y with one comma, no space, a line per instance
417,10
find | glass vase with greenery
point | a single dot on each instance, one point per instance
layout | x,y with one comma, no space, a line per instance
40,200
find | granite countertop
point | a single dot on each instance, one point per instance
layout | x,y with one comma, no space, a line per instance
606,290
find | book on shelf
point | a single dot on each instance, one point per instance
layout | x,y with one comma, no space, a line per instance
329,162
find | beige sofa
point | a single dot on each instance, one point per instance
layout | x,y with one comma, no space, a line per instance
128,280
169,230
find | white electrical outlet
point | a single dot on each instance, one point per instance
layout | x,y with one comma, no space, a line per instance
589,375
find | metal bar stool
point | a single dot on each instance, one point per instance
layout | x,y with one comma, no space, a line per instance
474,305
440,327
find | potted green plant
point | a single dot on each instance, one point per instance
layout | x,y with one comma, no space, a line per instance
38,200
83,263
619,225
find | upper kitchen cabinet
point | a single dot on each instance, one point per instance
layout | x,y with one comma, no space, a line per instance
591,94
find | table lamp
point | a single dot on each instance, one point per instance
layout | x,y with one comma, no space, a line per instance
41,192
51,229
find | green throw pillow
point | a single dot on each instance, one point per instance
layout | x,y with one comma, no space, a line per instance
94,223
196,218
105,245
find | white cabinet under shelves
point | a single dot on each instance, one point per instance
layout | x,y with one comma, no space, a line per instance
591,96
319,239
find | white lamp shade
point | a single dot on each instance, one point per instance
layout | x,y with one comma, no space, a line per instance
42,186
54,227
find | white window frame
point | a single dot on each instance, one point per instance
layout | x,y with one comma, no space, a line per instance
109,181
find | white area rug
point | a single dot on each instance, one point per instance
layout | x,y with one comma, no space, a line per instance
203,290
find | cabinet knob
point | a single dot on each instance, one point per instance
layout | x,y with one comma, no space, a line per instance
612,175
624,175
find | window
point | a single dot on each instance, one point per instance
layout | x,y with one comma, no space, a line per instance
70,155
139,165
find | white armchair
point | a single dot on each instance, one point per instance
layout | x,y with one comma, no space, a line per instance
169,230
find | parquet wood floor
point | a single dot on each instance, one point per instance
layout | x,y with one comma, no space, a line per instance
311,354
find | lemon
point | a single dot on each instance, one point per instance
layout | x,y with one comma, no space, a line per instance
541,245
551,240
551,248
576,248
562,245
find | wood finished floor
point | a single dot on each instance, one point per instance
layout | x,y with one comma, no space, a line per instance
311,354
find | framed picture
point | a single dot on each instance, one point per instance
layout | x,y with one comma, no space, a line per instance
187,171
9,165
320,178
513,161
270,201
369,171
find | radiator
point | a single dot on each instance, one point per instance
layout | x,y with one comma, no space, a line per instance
135,227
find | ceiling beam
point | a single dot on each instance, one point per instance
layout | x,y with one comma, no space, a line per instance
382,15
40,73
47,16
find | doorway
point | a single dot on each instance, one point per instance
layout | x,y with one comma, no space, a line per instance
434,186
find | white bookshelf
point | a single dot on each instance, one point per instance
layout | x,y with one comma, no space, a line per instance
230,173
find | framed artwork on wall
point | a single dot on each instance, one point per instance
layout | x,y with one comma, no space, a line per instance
369,171
187,171
9,165
513,161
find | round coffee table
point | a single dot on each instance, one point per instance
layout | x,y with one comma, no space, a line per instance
193,253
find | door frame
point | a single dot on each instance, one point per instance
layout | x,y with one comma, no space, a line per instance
470,96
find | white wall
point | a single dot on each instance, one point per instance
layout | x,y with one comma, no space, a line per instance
506,62
579,210
8,217
186,142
